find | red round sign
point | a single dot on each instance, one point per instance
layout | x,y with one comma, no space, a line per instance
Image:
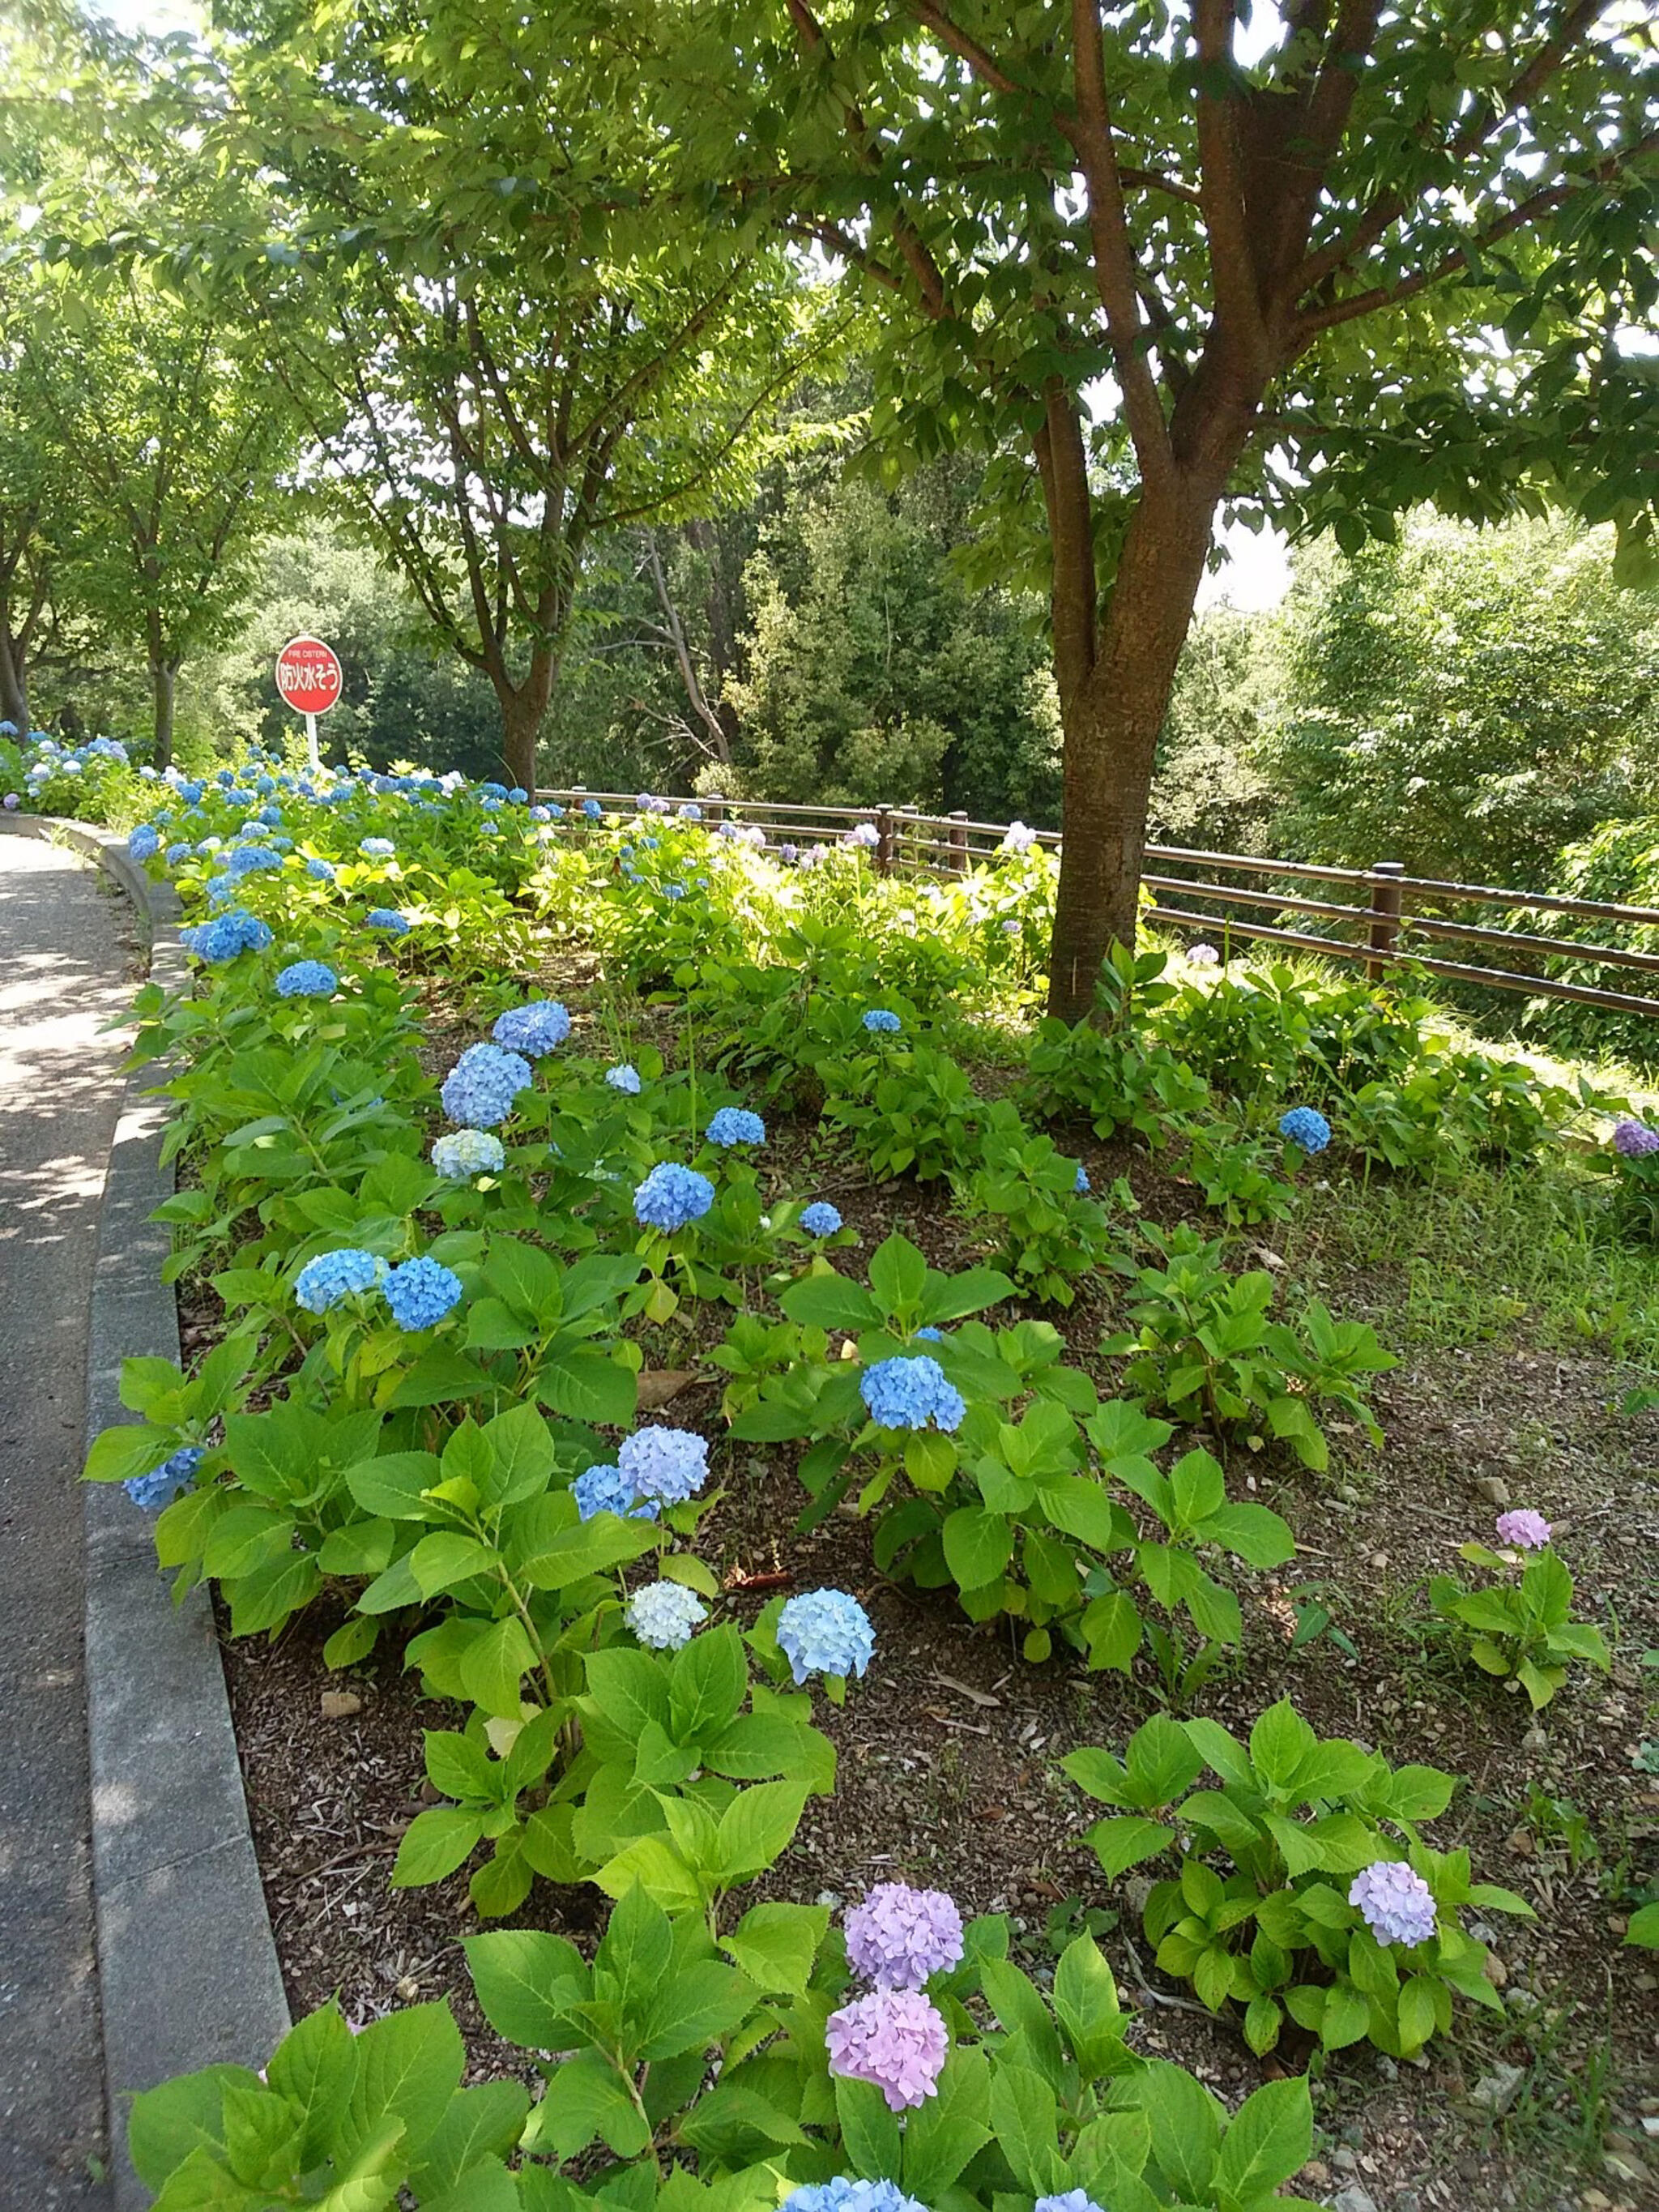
309,675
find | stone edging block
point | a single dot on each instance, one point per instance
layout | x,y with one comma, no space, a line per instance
187,1967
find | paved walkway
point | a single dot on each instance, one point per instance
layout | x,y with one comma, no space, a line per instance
65,969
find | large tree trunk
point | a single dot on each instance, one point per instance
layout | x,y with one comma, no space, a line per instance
13,677
163,680
1112,720
523,707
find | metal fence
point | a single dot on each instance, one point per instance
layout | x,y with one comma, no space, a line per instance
1401,915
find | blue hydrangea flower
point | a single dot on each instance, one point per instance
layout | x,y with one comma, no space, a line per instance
460,1154
320,871
690,811
671,1196
252,861
1307,1127
607,1490
825,1632
479,1090
820,1218
1081,1186
881,1021
592,809
224,937
666,1615
909,1393
841,2195
1070,2199
162,1486
421,1292
517,796
624,1077
534,1030
176,854
307,979
143,843
673,890
378,848
736,1125
930,1336
323,1283
390,919
670,1465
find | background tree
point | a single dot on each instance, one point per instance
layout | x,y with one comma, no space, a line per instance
515,350
1385,261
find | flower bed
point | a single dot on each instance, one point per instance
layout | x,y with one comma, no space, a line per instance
437,1303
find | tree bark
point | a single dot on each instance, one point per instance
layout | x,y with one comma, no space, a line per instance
1112,716
13,677
163,678
524,707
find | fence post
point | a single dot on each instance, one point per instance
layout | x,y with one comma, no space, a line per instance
883,841
716,811
1386,903
958,861
904,839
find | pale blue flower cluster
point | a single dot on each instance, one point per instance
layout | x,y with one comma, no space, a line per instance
162,1486
479,1090
736,1125
666,1615
825,1632
389,919
323,1282
1070,2200
143,842
881,1021
307,979
820,1218
378,848
841,2195
421,1292
624,1077
460,1154
909,1393
592,809
1307,1127
320,871
225,936
607,1490
669,1465
1081,1186
252,861
673,1196
534,1030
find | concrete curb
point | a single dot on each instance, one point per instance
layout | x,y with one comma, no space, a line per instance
186,1964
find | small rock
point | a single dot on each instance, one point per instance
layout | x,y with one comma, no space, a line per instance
1378,1560
1347,1493
1535,1738
1409,2200
408,1988
340,1705
1492,1488
1494,1969
1317,2171
1346,2159
1354,2199
1496,2092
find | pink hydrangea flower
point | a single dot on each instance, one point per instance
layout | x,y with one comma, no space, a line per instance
899,1935
1530,1531
893,2037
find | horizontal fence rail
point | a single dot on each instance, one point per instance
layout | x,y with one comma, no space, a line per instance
1399,913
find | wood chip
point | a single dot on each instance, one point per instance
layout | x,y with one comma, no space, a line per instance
659,1385
967,1690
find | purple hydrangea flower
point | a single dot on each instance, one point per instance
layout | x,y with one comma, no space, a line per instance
909,1393
1635,1139
897,1937
1203,956
893,2037
1018,838
670,1465
863,836
1524,1527
1397,1904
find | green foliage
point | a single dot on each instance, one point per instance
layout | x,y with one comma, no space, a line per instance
1259,1914
1027,1213
1520,1627
1203,1350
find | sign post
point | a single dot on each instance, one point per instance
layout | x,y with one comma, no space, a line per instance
309,678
